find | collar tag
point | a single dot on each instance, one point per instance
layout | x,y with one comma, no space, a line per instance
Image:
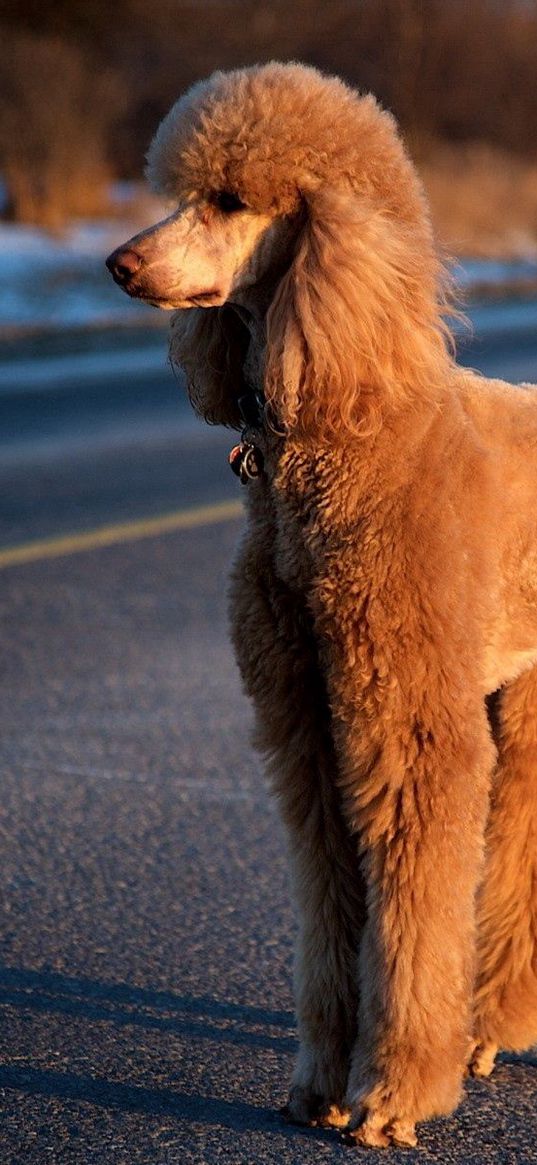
246,461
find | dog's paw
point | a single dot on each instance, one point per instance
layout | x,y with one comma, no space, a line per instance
482,1058
305,1108
377,1132
334,1116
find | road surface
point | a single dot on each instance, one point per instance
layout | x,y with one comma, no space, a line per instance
146,929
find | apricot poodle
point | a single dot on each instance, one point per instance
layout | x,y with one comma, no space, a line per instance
386,584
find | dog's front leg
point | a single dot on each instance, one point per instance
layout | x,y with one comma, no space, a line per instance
414,761
277,656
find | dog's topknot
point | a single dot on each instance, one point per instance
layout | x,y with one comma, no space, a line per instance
274,134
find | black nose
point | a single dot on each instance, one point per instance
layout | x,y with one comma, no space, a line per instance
123,264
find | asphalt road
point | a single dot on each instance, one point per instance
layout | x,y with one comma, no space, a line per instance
146,930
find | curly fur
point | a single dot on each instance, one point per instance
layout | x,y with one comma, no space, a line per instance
385,586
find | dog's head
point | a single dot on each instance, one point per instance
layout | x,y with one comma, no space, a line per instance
293,192
219,158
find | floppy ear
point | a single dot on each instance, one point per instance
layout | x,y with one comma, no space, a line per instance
211,344
355,327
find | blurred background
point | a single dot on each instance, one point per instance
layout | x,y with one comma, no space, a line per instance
83,85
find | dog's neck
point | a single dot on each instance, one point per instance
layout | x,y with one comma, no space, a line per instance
253,317
253,320
252,304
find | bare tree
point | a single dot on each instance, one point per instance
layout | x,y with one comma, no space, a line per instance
55,114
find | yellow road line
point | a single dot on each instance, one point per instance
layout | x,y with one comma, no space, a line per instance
123,532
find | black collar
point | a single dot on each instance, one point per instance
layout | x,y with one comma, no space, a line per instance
251,407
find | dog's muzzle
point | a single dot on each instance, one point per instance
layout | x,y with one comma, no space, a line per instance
123,264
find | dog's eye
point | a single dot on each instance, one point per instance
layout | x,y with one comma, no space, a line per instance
228,202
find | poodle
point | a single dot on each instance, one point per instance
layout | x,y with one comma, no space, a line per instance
385,588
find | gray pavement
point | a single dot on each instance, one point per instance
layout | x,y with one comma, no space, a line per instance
146,929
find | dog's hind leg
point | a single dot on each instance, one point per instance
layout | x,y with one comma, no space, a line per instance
277,657
506,989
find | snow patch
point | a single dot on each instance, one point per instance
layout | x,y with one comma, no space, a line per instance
61,280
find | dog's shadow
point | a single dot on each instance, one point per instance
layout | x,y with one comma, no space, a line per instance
123,1005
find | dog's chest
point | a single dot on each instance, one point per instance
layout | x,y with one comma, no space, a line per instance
300,486
294,560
